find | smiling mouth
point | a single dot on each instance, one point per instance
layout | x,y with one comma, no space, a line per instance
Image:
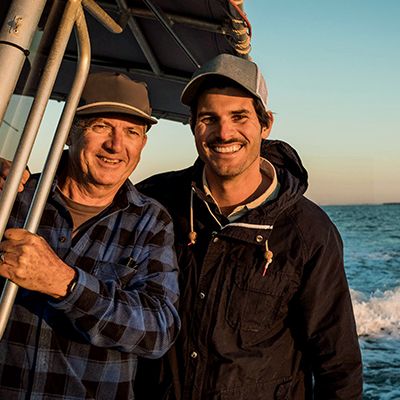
109,160
234,148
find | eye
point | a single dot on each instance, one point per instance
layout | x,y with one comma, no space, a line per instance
133,132
101,128
208,120
239,117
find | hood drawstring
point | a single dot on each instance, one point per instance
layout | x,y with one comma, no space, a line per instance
192,234
193,237
268,258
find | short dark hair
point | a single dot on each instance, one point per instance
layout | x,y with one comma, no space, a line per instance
220,82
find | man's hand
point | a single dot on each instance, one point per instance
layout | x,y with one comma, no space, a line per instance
28,261
5,166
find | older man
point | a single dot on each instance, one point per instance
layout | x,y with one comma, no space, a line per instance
99,280
265,305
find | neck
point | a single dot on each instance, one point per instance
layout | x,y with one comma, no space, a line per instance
233,192
87,194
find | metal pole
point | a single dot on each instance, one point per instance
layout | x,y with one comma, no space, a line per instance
63,128
165,23
196,23
97,12
39,201
73,14
16,37
142,41
28,137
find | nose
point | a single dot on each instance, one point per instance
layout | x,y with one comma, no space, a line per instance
225,129
115,141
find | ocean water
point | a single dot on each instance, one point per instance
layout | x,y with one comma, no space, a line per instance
371,236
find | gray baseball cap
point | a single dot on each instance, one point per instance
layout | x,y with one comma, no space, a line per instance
242,71
112,92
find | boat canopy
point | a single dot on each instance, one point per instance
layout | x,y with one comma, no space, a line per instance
161,43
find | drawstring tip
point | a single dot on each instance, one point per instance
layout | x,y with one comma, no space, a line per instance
192,238
268,257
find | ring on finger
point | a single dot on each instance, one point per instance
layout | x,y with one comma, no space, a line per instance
2,254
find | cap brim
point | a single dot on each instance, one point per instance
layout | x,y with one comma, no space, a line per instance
189,92
103,108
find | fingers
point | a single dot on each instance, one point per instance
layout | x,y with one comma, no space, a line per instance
7,260
2,183
18,234
24,179
30,262
13,244
5,166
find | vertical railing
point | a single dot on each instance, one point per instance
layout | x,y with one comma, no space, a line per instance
73,16
16,37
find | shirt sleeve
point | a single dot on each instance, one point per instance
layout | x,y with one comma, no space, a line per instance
130,307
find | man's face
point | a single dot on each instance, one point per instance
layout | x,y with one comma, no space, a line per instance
228,134
107,150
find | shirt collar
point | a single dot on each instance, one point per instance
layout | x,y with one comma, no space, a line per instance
268,170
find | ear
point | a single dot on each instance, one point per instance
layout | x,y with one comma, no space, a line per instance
266,130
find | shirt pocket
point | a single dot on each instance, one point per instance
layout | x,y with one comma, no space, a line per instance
255,302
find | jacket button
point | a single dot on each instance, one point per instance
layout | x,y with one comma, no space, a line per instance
259,238
202,295
193,354
62,239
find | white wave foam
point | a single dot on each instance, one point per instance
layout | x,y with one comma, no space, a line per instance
379,315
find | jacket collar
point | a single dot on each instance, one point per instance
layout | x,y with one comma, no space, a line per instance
291,175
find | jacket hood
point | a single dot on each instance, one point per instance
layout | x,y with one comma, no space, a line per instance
292,180
292,176
284,156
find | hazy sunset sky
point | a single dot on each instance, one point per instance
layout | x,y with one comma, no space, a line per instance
333,73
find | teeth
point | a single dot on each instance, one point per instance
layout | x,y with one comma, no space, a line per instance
109,161
229,149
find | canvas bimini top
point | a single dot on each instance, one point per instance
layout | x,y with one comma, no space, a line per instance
161,43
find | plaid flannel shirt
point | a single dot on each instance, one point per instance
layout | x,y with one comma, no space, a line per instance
123,305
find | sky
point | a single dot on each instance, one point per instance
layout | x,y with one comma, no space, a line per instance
333,72
333,75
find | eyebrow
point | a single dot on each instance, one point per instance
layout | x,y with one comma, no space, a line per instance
99,120
133,126
241,111
205,113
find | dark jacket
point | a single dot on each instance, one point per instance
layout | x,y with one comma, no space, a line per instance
251,336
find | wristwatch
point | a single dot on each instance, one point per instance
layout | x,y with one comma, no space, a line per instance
72,284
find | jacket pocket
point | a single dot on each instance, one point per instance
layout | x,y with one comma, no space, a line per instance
255,302
278,389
